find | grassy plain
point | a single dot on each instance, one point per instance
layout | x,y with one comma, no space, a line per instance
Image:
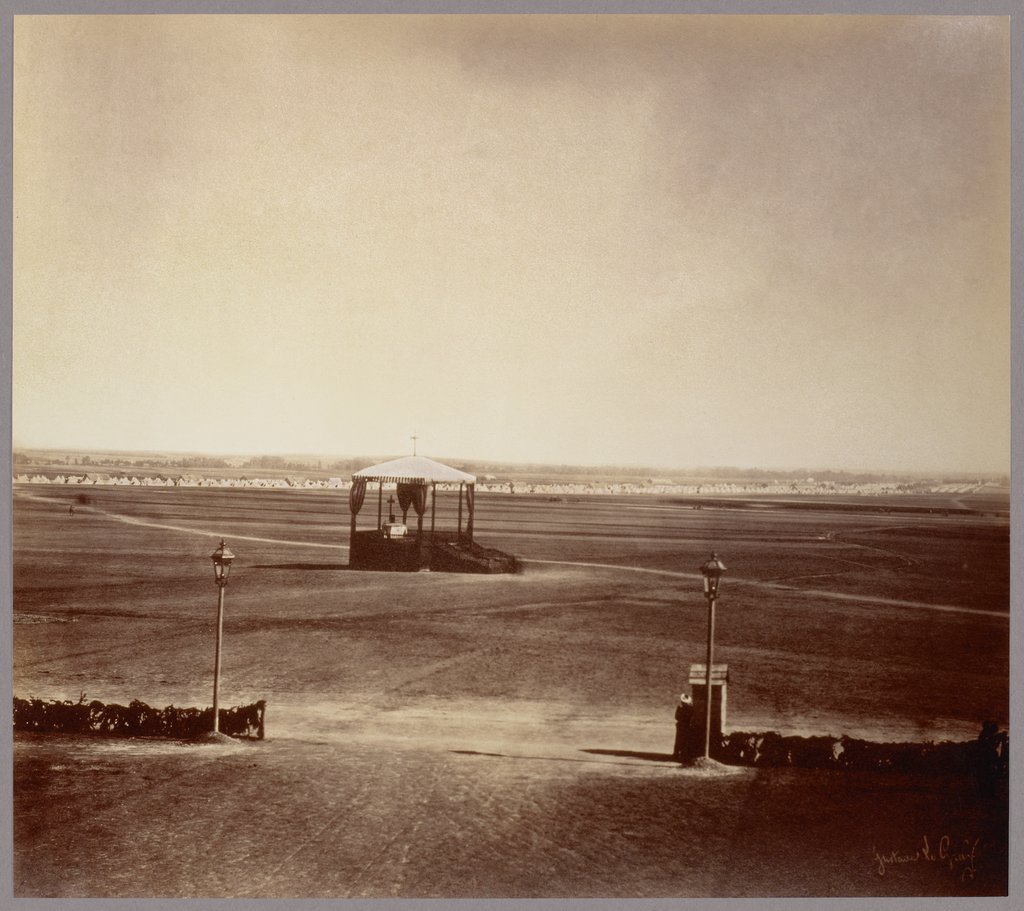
446,735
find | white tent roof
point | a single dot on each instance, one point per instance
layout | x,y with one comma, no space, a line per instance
414,470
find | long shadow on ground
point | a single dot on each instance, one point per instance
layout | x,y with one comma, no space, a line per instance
633,754
558,758
301,566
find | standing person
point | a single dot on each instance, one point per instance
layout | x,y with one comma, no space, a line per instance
71,509
684,716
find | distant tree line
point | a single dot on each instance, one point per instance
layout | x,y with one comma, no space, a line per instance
536,472
279,463
111,461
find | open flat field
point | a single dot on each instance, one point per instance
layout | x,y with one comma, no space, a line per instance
448,735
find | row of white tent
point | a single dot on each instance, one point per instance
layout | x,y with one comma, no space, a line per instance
800,487
180,481
957,488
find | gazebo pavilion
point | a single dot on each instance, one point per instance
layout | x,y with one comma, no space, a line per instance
393,546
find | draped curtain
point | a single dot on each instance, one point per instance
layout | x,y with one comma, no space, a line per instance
470,491
414,495
356,494
405,495
419,500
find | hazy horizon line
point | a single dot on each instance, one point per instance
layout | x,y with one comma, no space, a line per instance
546,463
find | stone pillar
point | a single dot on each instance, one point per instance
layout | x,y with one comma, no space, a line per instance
719,687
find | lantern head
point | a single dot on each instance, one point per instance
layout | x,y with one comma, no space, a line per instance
712,571
222,558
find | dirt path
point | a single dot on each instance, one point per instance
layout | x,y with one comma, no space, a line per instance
780,586
774,585
205,533
844,538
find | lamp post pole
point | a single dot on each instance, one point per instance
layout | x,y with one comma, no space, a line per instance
712,572
221,558
707,675
216,660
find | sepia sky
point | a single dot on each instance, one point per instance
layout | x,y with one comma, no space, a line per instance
669,241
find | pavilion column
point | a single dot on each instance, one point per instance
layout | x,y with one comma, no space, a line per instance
471,503
433,508
356,493
459,536
417,497
380,502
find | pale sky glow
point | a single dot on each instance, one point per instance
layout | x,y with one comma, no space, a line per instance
656,240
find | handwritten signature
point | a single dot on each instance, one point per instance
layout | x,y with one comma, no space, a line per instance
959,857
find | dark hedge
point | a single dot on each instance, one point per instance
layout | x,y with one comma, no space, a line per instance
135,719
773,749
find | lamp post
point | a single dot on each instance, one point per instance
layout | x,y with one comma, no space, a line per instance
221,558
712,571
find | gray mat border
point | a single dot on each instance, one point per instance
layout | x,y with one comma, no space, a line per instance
8,9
